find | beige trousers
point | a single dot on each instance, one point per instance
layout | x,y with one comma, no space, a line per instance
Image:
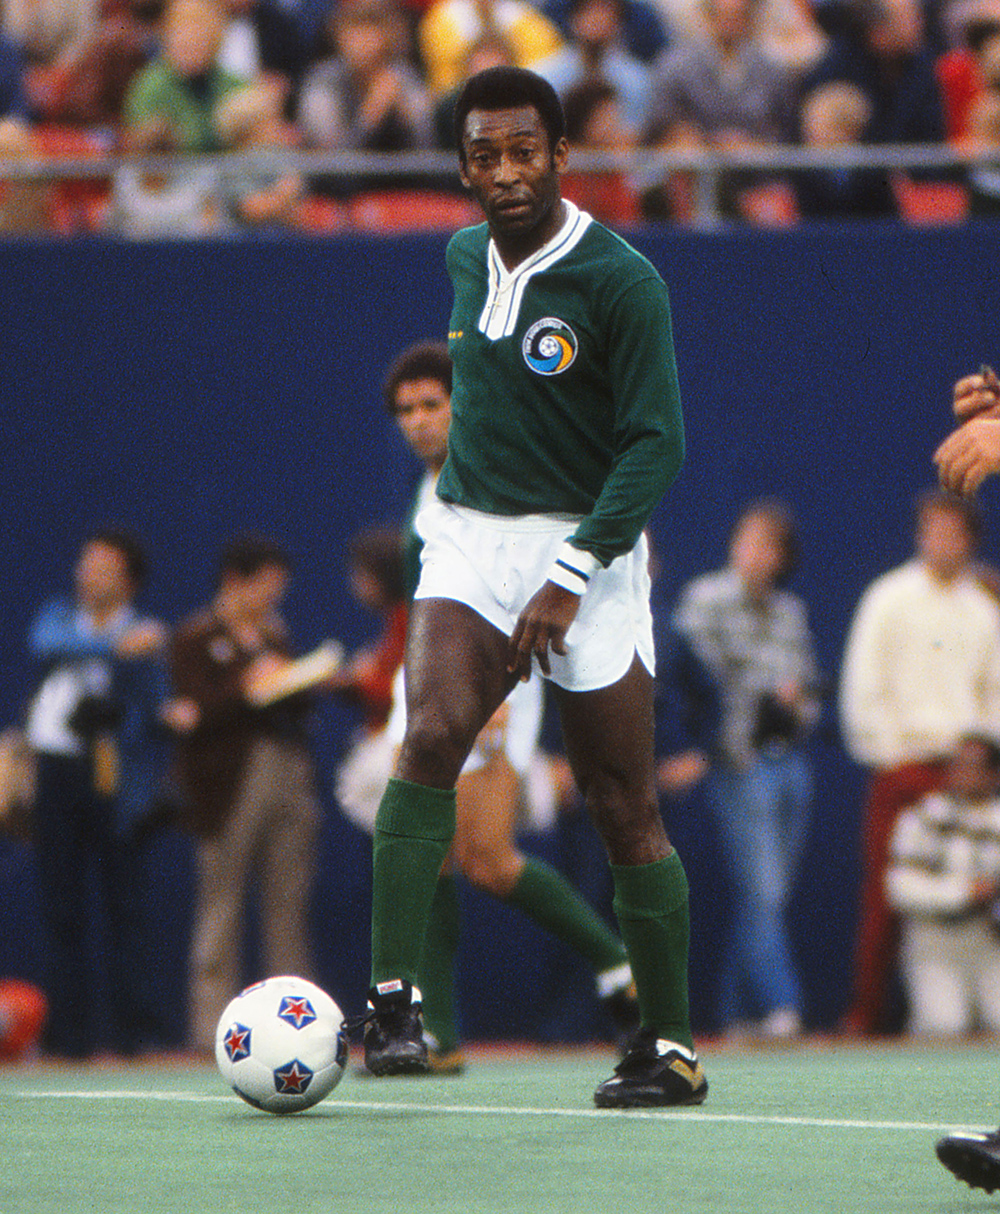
952,975
269,840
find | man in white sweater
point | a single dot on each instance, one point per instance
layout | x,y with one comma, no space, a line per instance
921,669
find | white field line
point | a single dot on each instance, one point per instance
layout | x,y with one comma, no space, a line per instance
671,1115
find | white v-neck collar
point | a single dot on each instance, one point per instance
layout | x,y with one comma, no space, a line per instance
506,287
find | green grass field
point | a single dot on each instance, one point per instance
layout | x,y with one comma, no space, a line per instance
816,1128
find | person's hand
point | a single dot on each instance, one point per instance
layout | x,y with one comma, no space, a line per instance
544,622
259,675
969,455
677,773
977,395
145,640
180,714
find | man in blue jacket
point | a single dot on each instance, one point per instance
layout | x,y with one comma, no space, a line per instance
94,725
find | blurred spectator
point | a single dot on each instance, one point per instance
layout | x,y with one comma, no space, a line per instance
94,723
785,30
44,29
752,637
247,120
489,51
966,69
720,91
89,84
263,38
884,55
835,115
450,28
247,773
944,881
172,102
594,122
643,35
159,206
377,573
25,206
595,50
365,96
983,136
921,668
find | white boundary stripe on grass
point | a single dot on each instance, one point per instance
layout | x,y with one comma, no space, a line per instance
375,1106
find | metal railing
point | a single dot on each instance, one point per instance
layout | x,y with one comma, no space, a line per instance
644,168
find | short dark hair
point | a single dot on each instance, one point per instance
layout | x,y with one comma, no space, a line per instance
990,746
129,546
379,552
424,360
581,102
247,554
781,518
505,88
963,507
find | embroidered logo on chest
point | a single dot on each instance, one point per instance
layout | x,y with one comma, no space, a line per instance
549,346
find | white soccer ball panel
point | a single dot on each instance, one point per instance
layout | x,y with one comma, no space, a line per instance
280,1044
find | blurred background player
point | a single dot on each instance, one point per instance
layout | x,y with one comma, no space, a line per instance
491,788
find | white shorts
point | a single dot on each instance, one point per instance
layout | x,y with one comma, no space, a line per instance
515,731
494,564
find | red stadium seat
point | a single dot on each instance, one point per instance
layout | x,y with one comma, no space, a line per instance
929,203
411,211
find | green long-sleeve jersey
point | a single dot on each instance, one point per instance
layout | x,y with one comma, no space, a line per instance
565,398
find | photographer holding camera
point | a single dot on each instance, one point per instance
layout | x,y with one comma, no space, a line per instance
752,638
95,728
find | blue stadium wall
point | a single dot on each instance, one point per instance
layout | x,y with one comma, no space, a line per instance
191,390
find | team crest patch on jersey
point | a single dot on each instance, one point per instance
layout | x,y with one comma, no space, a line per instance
549,346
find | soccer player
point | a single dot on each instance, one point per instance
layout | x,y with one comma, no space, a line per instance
418,396
566,431
965,459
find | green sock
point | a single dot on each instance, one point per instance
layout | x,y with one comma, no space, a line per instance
413,831
548,898
651,902
436,976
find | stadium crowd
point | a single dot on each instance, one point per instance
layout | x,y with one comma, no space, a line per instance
95,77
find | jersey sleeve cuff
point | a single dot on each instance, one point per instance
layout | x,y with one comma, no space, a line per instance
573,568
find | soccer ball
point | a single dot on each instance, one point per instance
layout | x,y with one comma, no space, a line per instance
281,1044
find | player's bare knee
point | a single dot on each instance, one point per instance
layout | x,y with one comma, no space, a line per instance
434,749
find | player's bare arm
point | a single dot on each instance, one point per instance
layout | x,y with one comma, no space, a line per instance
977,395
969,455
544,622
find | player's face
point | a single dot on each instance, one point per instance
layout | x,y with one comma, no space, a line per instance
513,172
423,414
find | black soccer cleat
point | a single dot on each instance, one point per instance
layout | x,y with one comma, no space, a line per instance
394,1035
654,1074
974,1158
